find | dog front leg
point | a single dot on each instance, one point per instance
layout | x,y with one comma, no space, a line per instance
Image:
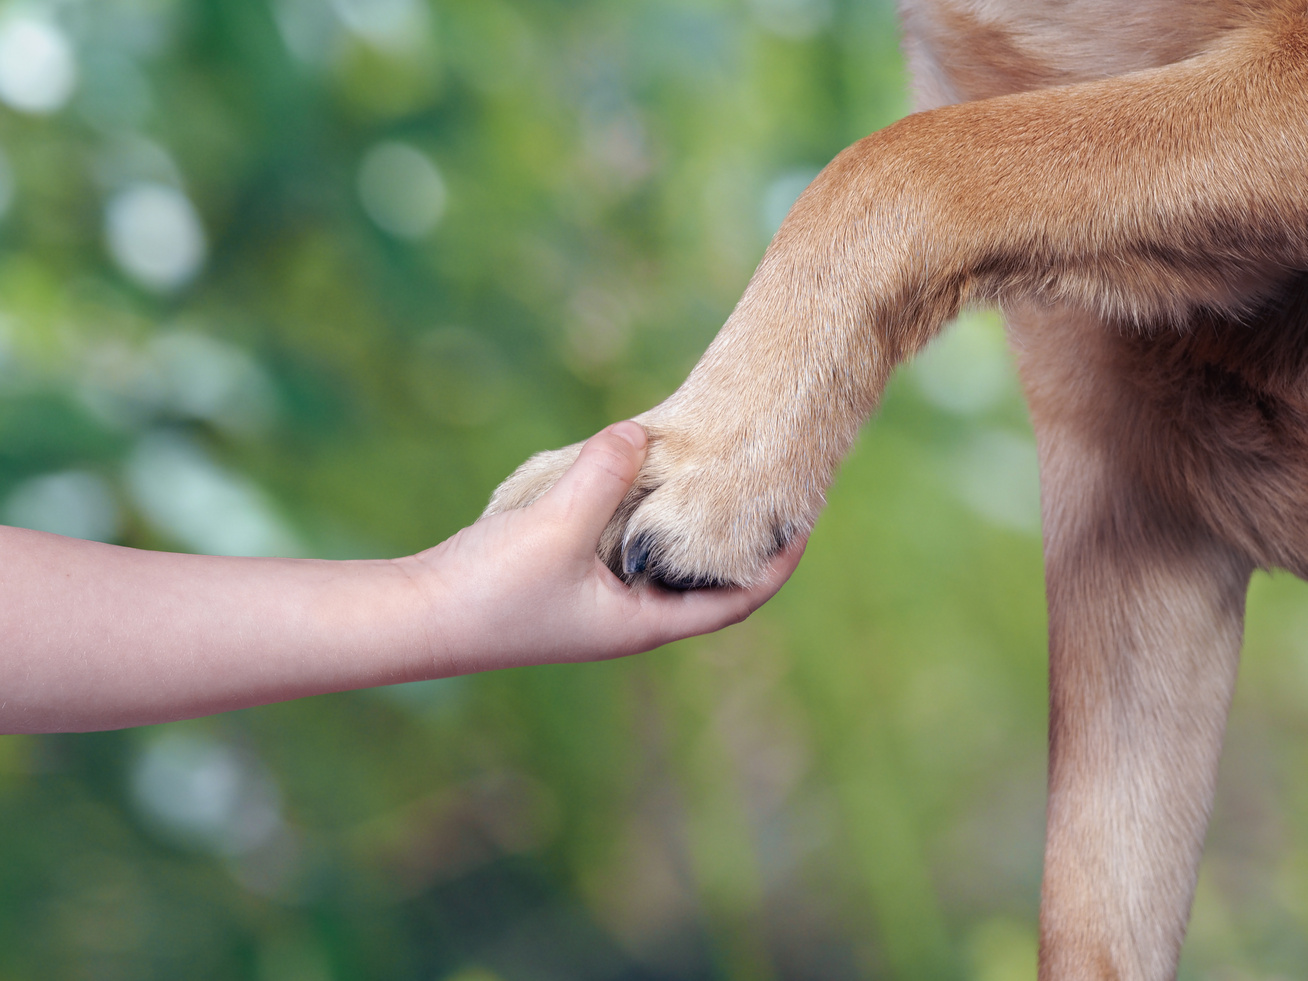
1142,198
1146,611
741,454
1145,627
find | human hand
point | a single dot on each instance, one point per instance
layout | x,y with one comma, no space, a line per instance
526,587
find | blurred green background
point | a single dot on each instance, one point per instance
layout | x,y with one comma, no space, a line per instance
309,277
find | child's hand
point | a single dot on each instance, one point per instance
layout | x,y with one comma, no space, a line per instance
525,587
96,636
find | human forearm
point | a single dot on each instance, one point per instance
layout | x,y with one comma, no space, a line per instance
98,636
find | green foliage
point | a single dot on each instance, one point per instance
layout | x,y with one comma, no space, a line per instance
571,198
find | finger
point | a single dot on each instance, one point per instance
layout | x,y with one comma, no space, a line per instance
593,487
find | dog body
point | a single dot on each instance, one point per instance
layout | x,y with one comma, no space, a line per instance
1128,179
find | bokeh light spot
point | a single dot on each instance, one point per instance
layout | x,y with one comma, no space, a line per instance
308,28
968,368
75,503
385,23
401,190
997,475
155,235
185,494
204,793
37,70
204,378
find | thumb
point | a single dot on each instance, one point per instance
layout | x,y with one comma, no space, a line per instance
593,487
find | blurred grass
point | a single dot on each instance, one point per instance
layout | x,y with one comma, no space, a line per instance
849,785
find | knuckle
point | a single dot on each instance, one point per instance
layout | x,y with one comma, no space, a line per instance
611,460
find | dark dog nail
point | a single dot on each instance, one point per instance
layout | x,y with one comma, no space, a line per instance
636,556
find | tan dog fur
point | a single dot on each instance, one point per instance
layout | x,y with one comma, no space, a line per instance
1128,179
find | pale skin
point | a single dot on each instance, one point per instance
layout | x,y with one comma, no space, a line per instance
99,636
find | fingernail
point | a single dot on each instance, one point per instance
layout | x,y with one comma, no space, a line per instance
631,432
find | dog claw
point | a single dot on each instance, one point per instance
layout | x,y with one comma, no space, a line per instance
635,557
639,558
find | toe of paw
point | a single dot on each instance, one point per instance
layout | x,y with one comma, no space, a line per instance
531,480
679,582
643,559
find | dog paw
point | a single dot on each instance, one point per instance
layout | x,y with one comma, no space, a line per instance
700,514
